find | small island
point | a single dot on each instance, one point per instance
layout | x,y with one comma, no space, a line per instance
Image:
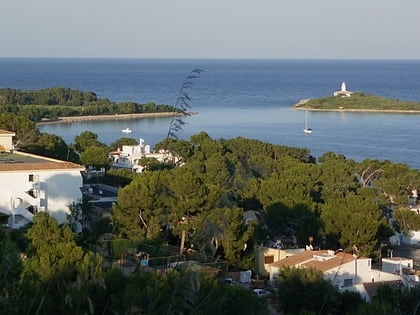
344,100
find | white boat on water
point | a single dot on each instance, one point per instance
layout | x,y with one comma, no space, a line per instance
127,130
306,129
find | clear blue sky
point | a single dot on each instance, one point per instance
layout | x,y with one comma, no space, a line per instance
211,29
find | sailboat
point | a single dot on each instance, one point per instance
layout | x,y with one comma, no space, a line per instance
306,129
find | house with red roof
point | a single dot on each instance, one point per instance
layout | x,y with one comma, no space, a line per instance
345,271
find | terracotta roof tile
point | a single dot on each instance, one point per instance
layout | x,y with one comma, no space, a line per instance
334,262
297,259
5,132
306,259
39,166
19,161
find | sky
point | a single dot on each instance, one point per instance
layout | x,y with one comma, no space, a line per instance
260,29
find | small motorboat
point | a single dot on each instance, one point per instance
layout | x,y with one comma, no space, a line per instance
126,130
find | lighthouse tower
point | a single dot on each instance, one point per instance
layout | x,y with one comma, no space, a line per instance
343,92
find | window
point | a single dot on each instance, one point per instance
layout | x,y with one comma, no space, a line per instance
268,259
348,282
33,178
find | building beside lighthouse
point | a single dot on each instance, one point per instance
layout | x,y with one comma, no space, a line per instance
343,92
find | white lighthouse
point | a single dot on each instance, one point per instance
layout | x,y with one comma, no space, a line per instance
343,92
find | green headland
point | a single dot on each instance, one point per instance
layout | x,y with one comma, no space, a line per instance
358,101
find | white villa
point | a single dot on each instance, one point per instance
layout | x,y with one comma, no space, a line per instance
343,92
346,272
32,183
130,155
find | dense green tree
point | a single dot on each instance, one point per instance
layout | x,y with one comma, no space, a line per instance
153,164
368,171
249,147
392,301
115,177
182,148
206,146
191,194
141,209
54,254
238,238
406,220
96,157
85,140
49,96
218,170
33,113
52,146
26,131
178,292
118,144
305,290
352,221
337,178
396,182
10,269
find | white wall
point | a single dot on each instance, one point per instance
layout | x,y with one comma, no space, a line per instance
358,270
396,264
58,189
412,238
6,141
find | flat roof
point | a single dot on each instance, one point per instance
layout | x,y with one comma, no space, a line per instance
20,161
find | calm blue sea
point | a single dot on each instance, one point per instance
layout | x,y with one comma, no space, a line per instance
248,98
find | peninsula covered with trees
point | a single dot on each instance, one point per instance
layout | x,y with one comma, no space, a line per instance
55,102
358,101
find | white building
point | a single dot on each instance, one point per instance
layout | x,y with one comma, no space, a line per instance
396,264
345,271
265,256
404,267
130,155
410,238
32,183
343,92
6,138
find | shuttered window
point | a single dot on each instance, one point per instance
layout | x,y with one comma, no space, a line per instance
268,259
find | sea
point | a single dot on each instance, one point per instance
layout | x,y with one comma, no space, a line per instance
248,98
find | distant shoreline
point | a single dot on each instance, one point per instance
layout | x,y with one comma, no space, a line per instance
71,119
301,106
354,110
